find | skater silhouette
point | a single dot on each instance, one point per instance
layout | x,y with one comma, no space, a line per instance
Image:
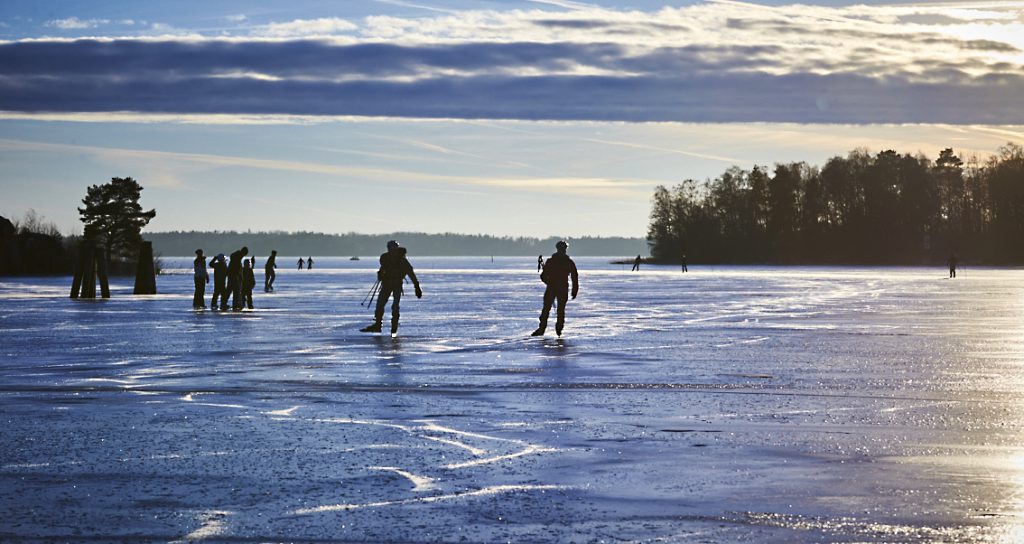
394,267
636,264
558,269
302,263
309,263
683,262
269,274
220,278
248,282
235,280
201,279
952,262
540,262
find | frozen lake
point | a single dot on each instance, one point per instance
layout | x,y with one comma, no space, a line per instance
749,404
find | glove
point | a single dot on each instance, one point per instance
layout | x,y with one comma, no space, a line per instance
574,295
380,275
419,292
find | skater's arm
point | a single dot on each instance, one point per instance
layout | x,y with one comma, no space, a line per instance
575,278
415,280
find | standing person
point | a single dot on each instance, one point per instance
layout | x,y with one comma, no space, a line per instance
269,275
235,280
309,263
540,262
201,279
394,267
220,278
684,263
248,281
301,263
636,264
952,265
557,272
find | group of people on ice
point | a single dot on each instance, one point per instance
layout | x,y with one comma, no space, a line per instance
233,277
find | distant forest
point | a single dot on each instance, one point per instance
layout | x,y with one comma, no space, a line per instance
885,208
342,245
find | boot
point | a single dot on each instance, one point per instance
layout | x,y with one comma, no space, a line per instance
372,328
539,331
394,329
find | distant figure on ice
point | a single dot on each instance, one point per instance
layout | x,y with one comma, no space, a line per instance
235,280
540,262
220,278
248,282
684,263
201,279
309,263
557,272
302,263
394,267
269,275
636,264
952,265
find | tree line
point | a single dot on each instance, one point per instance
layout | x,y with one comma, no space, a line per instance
355,244
884,208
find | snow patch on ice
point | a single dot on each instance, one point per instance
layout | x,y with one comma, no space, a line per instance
420,483
492,490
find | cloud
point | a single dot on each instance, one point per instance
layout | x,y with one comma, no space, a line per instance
171,162
239,18
306,27
74,23
721,62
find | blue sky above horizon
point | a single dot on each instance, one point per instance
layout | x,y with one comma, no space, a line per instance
545,117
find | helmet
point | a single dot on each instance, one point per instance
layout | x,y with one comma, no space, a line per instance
392,244
561,245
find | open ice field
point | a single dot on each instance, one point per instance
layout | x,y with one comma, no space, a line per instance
727,404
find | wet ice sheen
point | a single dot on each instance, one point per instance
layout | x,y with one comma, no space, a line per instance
727,404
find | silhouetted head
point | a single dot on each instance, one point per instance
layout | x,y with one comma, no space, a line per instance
561,246
199,252
247,262
245,250
392,245
219,257
273,253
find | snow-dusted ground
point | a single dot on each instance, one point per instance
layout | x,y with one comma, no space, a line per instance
727,404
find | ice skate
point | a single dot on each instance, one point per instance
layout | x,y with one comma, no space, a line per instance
372,328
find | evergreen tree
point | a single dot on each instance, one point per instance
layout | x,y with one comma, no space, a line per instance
113,217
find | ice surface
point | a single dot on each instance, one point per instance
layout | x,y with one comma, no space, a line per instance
727,404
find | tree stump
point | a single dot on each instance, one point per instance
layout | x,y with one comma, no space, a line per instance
145,273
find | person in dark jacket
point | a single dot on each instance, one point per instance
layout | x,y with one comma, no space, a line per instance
309,263
558,270
636,264
394,267
220,278
235,280
248,282
201,279
269,274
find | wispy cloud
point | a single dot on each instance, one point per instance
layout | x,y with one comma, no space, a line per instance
74,23
717,62
171,164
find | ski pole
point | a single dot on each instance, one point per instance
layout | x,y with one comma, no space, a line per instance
376,289
370,292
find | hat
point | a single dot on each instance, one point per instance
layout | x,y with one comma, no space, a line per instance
561,245
199,252
392,244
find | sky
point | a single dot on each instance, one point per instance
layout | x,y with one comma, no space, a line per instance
505,117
